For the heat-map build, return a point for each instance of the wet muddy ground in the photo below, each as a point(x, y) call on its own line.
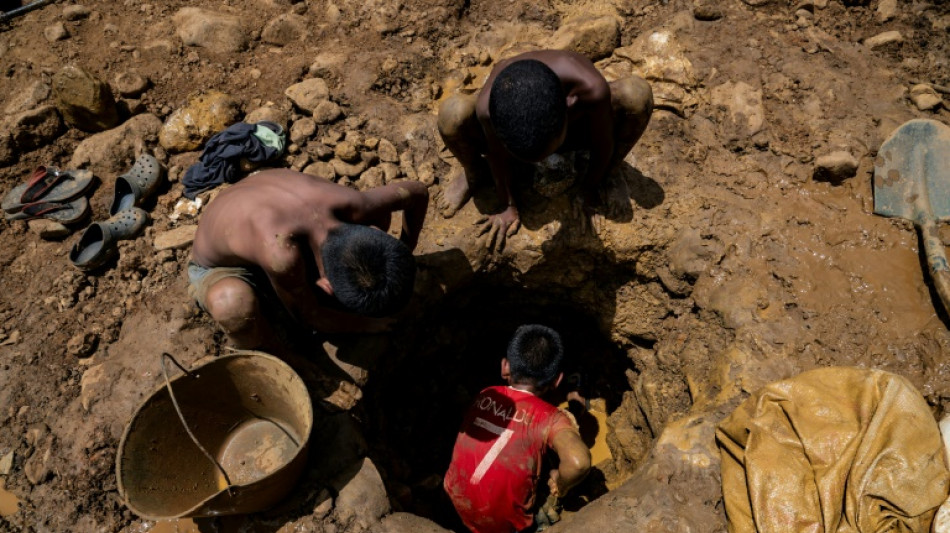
point(731, 255)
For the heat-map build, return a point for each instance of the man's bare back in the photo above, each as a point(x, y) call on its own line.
point(279, 221)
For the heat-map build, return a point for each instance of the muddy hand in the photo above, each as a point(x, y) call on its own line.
point(495, 229)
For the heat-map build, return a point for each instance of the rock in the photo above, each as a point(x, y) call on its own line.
point(48, 230)
point(302, 130)
point(756, 3)
point(215, 31)
point(269, 113)
point(746, 113)
point(308, 93)
point(372, 177)
point(321, 169)
point(37, 466)
point(707, 12)
point(390, 171)
point(343, 168)
point(176, 239)
point(884, 39)
point(84, 100)
point(131, 84)
point(835, 167)
point(326, 112)
point(204, 115)
point(56, 32)
point(89, 385)
point(595, 37)
point(75, 12)
point(658, 56)
point(111, 151)
point(35, 128)
point(886, 10)
point(387, 151)
point(285, 29)
point(925, 97)
point(362, 497)
point(6, 464)
point(82, 344)
point(346, 151)
point(26, 99)
point(326, 64)
point(408, 523)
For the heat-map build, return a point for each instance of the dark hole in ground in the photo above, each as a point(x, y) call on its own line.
point(435, 370)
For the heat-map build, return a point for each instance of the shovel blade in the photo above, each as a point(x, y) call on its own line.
point(912, 172)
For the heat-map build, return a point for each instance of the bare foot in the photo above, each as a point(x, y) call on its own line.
point(455, 193)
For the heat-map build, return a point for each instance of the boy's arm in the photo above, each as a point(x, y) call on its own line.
point(411, 197)
point(574, 457)
point(500, 226)
point(602, 141)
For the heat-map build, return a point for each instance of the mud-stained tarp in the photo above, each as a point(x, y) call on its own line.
point(833, 449)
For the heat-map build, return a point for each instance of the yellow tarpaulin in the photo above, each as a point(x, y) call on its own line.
point(833, 450)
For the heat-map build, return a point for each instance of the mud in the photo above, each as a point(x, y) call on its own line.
point(727, 258)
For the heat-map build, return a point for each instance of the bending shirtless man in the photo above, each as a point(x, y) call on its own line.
point(284, 242)
point(533, 105)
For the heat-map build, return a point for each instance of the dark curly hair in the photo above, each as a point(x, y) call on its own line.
point(534, 355)
point(528, 108)
point(372, 272)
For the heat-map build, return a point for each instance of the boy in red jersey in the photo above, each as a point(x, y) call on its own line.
point(498, 456)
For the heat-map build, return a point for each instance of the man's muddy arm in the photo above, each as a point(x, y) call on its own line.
point(574, 457)
point(411, 197)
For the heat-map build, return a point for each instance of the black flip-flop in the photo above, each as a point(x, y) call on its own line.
point(47, 184)
point(62, 212)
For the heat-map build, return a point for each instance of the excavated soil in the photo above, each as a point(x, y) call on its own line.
point(727, 258)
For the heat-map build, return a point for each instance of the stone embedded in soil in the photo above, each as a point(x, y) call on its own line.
point(302, 130)
point(217, 32)
point(75, 12)
point(347, 151)
point(82, 344)
point(49, 230)
point(746, 112)
point(6, 463)
point(176, 239)
point(592, 36)
point(343, 168)
point(925, 97)
point(56, 32)
point(886, 10)
point(84, 100)
point(270, 113)
point(307, 94)
point(28, 98)
point(835, 167)
point(189, 127)
point(37, 466)
point(131, 84)
point(362, 496)
point(659, 56)
point(110, 152)
point(285, 29)
point(35, 128)
point(387, 151)
point(321, 169)
point(326, 112)
point(884, 39)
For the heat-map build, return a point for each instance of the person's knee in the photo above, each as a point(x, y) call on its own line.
point(454, 112)
point(232, 304)
point(632, 94)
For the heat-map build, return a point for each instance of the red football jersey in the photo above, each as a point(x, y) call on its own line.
point(496, 462)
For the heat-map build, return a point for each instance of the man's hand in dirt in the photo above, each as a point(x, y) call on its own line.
point(585, 209)
point(497, 228)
